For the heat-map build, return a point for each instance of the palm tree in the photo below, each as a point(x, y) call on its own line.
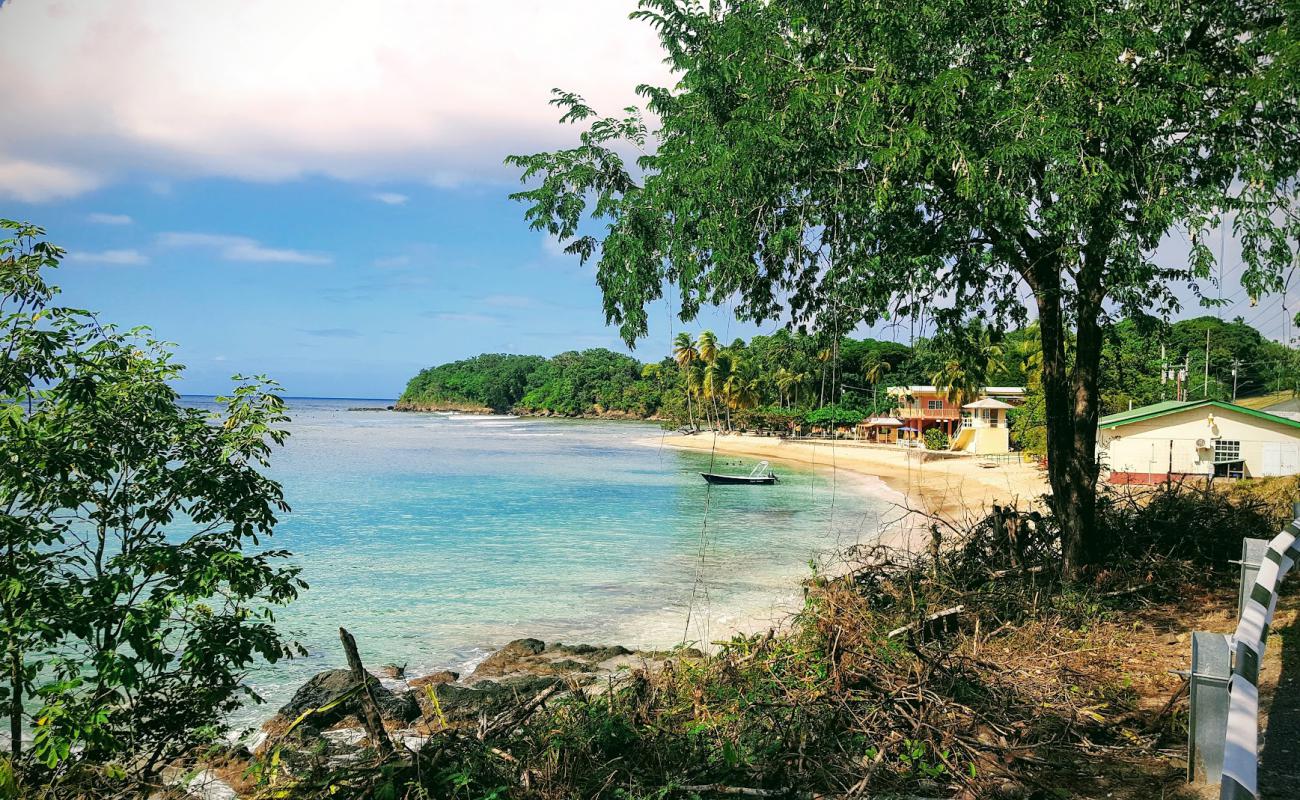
point(707, 346)
point(824, 355)
point(685, 354)
point(716, 375)
point(876, 371)
point(785, 381)
point(959, 384)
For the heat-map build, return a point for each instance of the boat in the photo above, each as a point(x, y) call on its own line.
point(762, 474)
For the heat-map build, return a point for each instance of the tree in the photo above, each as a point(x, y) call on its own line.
point(135, 597)
point(833, 162)
point(685, 354)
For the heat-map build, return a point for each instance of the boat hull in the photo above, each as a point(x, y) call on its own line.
point(738, 480)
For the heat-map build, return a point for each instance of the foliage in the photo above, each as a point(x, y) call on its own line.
point(836, 415)
point(936, 439)
point(837, 163)
point(860, 694)
point(134, 598)
point(493, 381)
point(575, 383)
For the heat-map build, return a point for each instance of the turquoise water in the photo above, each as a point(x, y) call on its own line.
point(437, 538)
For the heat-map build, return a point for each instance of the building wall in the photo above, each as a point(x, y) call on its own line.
point(1152, 449)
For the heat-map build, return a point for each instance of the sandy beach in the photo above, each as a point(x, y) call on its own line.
point(953, 488)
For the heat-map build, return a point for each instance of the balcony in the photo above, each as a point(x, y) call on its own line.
point(928, 413)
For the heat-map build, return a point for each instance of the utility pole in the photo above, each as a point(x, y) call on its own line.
point(1236, 362)
point(1184, 376)
point(1164, 369)
point(1205, 387)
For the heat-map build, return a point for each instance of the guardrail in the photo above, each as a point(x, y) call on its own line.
point(1223, 728)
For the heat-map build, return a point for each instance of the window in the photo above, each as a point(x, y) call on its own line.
point(1226, 451)
point(1227, 459)
point(934, 405)
point(1230, 469)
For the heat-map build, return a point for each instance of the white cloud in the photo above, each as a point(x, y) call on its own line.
point(36, 182)
point(240, 248)
point(433, 92)
point(126, 257)
point(390, 198)
point(100, 218)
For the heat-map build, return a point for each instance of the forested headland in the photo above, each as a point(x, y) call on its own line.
point(793, 377)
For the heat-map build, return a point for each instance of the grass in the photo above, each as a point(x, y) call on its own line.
point(1036, 689)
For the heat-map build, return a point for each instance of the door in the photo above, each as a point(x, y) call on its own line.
point(1281, 458)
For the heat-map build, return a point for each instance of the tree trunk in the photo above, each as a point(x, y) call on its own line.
point(15, 702)
point(1072, 404)
point(370, 717)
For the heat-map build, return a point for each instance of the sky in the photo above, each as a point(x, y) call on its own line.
point(314, 190)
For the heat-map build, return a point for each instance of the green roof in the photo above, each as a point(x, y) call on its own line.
point(1174, 406)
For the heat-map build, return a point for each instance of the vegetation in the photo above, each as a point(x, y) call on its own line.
point(863, 696)
point(133, 596)
point(835, 163)
point(781, 382)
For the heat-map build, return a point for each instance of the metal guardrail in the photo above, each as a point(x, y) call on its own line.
point(1223, 728)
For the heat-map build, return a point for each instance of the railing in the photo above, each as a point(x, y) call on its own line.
point(1223, 728)
point(927, 413)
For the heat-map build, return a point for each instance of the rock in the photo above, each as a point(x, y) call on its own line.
point(392, 671)
point(327, 686)
point(434, 679)
point(465, 703)
point(206, 785)
point(508, 659)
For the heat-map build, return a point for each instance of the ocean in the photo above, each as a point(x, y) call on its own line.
point(437, 538)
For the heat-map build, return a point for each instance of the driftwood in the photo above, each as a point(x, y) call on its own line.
point(938, 615)
point(369, 708)
point(512, 717)
point(741, 791)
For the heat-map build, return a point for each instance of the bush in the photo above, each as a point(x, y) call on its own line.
point(936, 439)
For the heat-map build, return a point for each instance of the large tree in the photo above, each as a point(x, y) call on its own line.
point(836, 162)
point(135, 587)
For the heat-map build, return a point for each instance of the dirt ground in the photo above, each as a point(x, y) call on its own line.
point(1137, 745)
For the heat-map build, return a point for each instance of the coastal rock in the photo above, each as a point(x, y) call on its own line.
point(434, 679)
point(327, 686)
point(510, 658)
point(465, 704)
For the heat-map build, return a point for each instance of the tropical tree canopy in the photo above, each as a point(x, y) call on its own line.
point(832, 163)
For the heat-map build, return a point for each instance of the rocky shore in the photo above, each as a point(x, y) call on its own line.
point(460, 408)
point(322, 725)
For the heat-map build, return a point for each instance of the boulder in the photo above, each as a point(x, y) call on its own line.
point(327, 686)
point(461, 704)
point(508, 659)
point(434, 679)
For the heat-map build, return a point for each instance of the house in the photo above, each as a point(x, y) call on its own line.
point(1200, 438)
point(924, 407)
point(984, 429)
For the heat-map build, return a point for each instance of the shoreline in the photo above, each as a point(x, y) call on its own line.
point(925, 486)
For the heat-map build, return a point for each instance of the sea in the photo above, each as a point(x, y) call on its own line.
point(437, 538)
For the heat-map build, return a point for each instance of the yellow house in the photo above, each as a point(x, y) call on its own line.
point(983, 428)
point(1203, 438)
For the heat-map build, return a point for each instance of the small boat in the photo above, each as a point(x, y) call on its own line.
point(762, 474)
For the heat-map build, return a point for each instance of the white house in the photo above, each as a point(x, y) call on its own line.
point(1177, 439)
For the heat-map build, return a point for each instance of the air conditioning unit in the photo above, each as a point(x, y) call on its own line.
point(1201, 445)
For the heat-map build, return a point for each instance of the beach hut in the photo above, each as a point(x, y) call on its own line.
point(880, 429)
point(983, 428)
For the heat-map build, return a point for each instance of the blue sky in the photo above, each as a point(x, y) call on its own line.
point(326, 287)
point(314, 189)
